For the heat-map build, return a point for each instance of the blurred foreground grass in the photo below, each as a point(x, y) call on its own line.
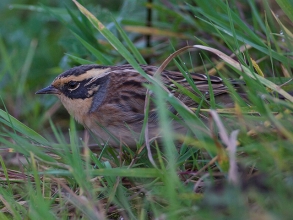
point(47, 176)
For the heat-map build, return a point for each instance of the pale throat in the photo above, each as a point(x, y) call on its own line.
point(78, 108)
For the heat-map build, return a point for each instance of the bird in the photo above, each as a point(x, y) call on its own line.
point(110, 100)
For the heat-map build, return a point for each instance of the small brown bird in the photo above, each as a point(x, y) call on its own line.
point(110, 100)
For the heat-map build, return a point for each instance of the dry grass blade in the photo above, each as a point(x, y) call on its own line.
point(81, 202)
point(231, 143)
point(15, 176)
point(231, 62)
point(245, 70)
point(221, 64)
point(7, 208)
point(155, 32)
point(146, 132)
point(257, 68)
point(233, 171)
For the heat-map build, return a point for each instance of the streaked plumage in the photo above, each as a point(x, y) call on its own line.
point(113, 97)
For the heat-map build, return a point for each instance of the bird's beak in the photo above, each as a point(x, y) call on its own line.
point(48, 90)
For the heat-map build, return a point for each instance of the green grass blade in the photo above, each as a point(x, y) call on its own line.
point(287, 7)
point(79, 60)
point(99, 55)
point(131, 46)
point(22, 128)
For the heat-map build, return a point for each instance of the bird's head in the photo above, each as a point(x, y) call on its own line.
point(81, 89)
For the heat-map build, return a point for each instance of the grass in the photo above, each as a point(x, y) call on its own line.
point(235, 164)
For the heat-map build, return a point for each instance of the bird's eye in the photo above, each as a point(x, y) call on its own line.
point(72, 85)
